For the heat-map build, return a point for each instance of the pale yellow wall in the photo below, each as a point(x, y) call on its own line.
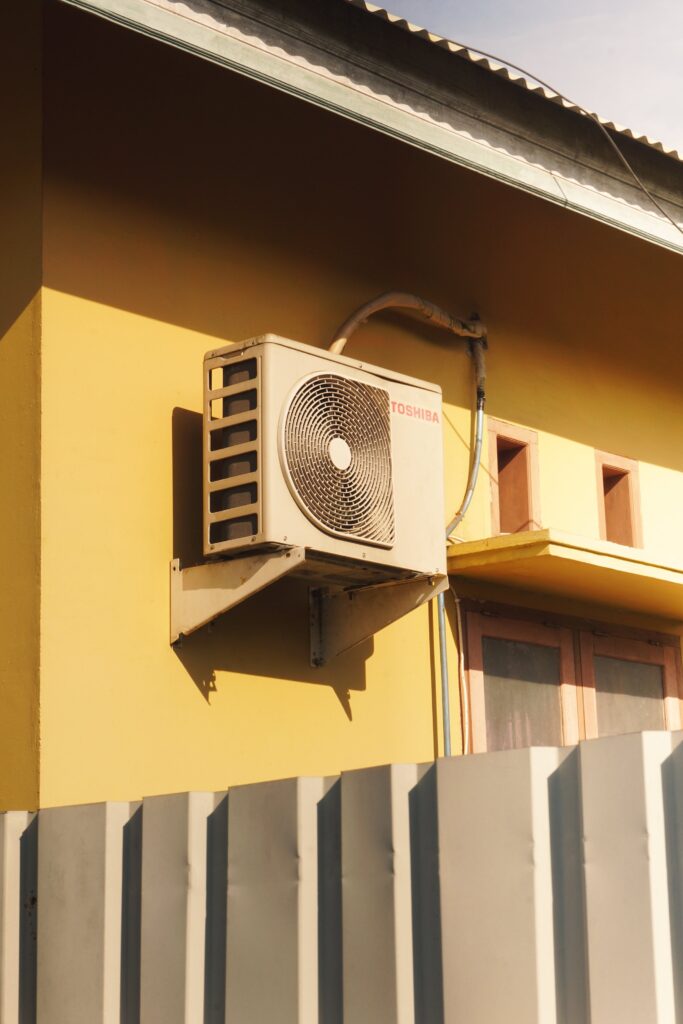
point(185, 207)
point(582, 401)
point(122, 712)
point(20, 275)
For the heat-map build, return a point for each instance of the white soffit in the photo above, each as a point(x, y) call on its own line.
point(261, 43)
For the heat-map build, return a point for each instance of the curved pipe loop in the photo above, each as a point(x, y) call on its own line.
point(404, 300)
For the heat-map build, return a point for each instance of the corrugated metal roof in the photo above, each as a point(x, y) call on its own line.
point(501, 69)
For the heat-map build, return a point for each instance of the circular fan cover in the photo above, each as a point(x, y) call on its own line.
point(336, 447)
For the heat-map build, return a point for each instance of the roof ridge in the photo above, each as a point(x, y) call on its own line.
point(500, 68)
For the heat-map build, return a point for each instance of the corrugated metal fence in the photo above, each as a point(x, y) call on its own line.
point(529, 886)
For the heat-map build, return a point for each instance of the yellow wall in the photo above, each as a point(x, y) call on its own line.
point(185, 207)
point(20, 275)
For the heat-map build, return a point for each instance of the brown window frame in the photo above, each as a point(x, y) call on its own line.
point(603, 461)
point(667, 657)
point(479, 626)
point(578, 640)
point(529, 439)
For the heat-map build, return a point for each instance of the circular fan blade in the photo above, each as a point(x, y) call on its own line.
point(337, 452)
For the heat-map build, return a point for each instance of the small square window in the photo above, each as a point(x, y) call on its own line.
point(618, 499)
point(513, 463)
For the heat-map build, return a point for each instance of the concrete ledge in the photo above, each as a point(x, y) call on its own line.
point(559, 563)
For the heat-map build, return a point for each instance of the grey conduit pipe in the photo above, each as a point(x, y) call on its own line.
point(441, 600)
point(476, 332)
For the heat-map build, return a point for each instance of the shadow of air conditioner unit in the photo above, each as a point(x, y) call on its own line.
point(322, 467)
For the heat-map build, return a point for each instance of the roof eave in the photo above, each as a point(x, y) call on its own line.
point(357, 66)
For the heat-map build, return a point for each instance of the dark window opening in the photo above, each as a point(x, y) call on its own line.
point(616, 489)
point(522, 694)
point(514, 501)
point(629, 695)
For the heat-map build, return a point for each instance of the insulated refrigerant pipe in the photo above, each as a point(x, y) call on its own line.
point(475, 331)
point(406, 301)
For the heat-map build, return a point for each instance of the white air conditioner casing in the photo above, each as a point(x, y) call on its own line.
point(307, 449)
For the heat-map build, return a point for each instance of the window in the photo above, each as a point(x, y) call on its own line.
point(513, 464)
point(522, 684)
point(628, 685)
point(618, 499)
point(540, 684)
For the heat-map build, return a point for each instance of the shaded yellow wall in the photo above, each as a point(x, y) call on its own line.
point(20, 276)
point(185, 207)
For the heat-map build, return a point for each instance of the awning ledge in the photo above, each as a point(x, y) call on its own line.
point(574, 568)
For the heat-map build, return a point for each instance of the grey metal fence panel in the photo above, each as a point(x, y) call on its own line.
point(376, 895)
point(272, 937)
point(173, 907)
point(80, 860)
point(541, 885)
point(630, 967)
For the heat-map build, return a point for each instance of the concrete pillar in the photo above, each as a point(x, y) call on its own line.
point(12, 826)
point(495, 873)
point(630, 970)
point(173, 907)
point(79, 913)
point(376, 895)
point(272, 936)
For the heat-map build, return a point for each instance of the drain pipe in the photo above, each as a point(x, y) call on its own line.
point(476, 331)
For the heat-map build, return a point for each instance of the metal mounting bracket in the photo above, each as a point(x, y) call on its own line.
point(339, 619)
point(201, 593)
point(343, 618)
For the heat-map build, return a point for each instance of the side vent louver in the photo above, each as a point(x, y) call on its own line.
point(232, 439)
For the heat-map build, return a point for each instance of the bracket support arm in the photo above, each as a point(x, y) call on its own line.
point(201, 593)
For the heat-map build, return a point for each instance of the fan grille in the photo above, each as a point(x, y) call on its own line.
point(337, 451)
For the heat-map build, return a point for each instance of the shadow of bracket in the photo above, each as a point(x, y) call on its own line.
point(341, 619)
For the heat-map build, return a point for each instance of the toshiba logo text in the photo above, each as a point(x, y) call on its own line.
point(416, 412)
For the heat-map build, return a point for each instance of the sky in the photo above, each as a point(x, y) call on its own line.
point(622, 59)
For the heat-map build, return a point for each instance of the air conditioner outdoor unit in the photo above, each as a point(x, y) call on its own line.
point(305, 448)
point(320, 466)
